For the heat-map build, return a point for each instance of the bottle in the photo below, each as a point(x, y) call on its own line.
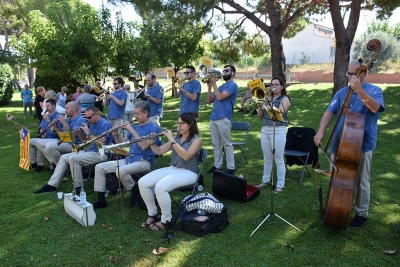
point(83, 196)
point(241, 175)
point(200, 188)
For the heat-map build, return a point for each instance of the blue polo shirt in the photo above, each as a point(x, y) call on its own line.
point(224, 108)
point(193, 87)
point(26, 95)
point(156, 109)
point(135, 150)
point(76, 123)
point(96, 129)
point(44, 124)
point(116, 111)
point(356, 105)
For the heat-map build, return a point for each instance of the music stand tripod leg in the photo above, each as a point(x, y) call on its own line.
point(395, 231)
point(272, 188)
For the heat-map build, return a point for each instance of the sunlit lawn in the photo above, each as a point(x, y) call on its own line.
point(29, 240)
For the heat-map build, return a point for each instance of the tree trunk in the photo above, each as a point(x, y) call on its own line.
point(31, 78)
point(277, 56)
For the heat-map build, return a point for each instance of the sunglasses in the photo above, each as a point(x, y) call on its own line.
point(226, 70)
point(90, 117)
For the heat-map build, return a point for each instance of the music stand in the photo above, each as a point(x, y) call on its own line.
point(275, 115)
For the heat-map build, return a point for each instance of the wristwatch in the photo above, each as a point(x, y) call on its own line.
point(173, 143)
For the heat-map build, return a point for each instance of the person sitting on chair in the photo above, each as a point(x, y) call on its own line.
point(140, 160)
point(97, 126)
point(279, 99)
point(185, 146)
point(246, 99)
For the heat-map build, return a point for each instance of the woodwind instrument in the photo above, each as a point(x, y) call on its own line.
point(49, 125)
point(87, 142)
point(104, 149)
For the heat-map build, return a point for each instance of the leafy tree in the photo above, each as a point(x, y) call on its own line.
point(390, 47)
point(383, 26)
point(6, 84)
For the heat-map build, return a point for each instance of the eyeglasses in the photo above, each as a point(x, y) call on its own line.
point(275, 84)
point(180, 123)
point(115, 83)
point(349, 74)
point(187, 72)
point(226, 70)
point(90, 117)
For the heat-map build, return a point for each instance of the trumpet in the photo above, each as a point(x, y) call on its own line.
point(205, 74)
point(105, 149)
point(103, 95)
point(77, 147)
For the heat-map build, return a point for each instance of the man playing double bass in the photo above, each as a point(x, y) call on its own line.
point(366, 99)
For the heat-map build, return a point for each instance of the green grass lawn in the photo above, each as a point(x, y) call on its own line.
point(29, 240)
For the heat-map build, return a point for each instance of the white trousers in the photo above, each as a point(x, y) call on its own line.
point(163, 181)
point(52, 151)
point(36, 155)
point(220, 131)
point(267, 145)
point(124, 173)
point(75, 161)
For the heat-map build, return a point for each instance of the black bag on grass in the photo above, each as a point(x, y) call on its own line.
point(200, 225)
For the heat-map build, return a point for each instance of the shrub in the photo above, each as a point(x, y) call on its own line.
point(6, 84)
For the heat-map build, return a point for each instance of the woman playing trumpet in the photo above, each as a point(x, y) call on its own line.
point(185, 148)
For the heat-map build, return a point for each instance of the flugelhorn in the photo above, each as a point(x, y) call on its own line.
point(77, 147)
point(104, 149)
point(205, 74)
point(103, 95)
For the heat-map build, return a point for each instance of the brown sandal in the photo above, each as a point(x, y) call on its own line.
point(154, 219)
point(156, 227)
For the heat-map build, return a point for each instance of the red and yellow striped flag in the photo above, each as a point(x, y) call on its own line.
point(24, 161)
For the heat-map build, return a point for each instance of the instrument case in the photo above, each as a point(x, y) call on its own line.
point(233, 187)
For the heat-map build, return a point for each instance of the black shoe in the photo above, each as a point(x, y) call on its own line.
point(358, 221)
point(34, 165)
point(230, 171)
point(254, 112)
point(100, 205)
point(214, 169)
point(247, 111)
point(75, 191)
point(39, 169)
point(46, 189)
point(241, 110)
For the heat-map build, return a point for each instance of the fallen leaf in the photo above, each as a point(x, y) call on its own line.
point(46, 218)
point(390, 251)
point(377, 203)
point(55, 255)
point(15, 253)
point(110, 228)
point(104, 225)
point(280, 206)
point(145, 240)
point(120, 246)
point(111, 258)
point(160, 251)
point(43, 238)
point(289, 246)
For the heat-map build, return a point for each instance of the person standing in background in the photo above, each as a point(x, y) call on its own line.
point(39, 99)
point(116, 102)
point(62, 97)
point(155, 98)
point(26, 96)
point(189, 93)
point(129, 107)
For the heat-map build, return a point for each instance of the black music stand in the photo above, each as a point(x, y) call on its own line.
point(275, 116)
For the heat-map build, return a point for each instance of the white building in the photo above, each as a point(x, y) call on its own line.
point(315, 42)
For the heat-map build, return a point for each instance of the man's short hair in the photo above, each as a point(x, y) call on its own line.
point(143, 106)
point(92, 108)
point(119, 80)
point(232, 68)
point(87, 88)
point(51, 101)
point(127, 87)
point(191, 68)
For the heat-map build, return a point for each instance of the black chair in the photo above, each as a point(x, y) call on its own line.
point(243, 127)
point(300, 148)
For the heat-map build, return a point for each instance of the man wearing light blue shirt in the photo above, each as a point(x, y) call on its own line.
point(116, 102)
point(189, 93)
point(155, 98)
point(366, 99)
point(224, 99)
point(26, 96)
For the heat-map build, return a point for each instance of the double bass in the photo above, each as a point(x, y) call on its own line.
point(343, 181)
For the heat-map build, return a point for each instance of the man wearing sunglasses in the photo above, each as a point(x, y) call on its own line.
point(87, 157)
point(189, 93)
point(116, 102)
point(224, 99)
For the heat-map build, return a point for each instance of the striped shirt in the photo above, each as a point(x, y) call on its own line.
point(178, 162)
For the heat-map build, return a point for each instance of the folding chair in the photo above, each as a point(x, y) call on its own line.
point(84, 106)
point(243, 127)
point(300, 149)
point(194, 186)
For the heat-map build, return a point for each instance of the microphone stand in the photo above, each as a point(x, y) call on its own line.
point(275, 117)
